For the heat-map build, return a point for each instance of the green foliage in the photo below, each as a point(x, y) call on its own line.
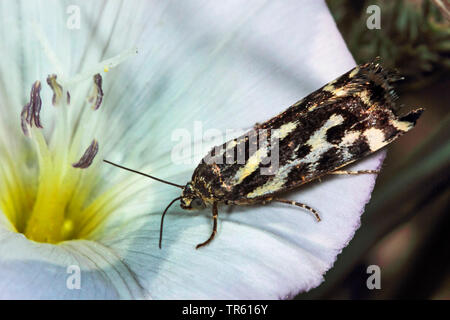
point(414, 37)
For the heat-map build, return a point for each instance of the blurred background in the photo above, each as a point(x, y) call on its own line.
point(405, 229)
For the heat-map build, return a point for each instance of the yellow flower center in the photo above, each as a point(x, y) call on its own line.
point(49, 189)
point(61, 194)
point(44, 202)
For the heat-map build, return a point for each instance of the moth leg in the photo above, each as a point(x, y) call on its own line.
point(355, 172)
point(215, 215)
point(301, 205)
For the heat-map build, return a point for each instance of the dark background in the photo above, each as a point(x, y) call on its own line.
point(405, 229)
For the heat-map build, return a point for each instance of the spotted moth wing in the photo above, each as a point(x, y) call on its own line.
point(345, 120)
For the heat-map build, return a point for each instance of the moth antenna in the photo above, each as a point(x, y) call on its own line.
point(162, 220)
point(144, 174)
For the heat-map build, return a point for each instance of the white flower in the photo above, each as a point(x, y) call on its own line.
point(229, 65)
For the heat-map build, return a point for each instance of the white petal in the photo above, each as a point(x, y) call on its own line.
point(217, 64)
point(31, 270)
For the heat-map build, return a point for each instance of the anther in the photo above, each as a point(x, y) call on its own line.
point(30, 112)
point(97, 94)
point(57, 90)
point(88, 156)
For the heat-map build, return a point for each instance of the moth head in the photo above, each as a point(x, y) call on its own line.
point(190, 199)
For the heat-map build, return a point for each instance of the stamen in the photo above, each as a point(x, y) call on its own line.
point(57, 90)
point(36, 103)
point(97, 94)
point(88, 156)
point(30, 112)
point(59, 203)
point(23, 119)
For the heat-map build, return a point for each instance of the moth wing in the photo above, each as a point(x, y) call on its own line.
point(346, 120)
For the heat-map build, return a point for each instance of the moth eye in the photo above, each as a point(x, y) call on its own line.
point(197, 203)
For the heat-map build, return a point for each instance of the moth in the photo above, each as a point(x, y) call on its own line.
point(344, 121)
